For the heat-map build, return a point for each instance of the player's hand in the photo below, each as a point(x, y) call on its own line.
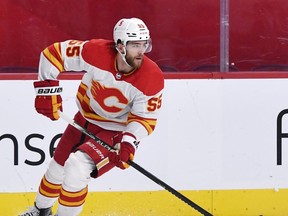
point(48, 99)
point(124, 151)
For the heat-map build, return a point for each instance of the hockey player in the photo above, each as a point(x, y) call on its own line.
point(119, 99)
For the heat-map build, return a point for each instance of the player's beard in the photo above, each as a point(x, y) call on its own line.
point(135, 62)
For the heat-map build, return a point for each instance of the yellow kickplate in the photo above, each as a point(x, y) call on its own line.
point(162, 203)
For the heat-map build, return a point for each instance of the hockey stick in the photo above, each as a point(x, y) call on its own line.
point(136, 166)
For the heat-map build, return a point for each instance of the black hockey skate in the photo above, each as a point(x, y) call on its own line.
point(34, 211)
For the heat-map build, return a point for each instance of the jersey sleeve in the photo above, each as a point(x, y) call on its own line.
point(59, 57)
point(144, 113)
point(143, 117)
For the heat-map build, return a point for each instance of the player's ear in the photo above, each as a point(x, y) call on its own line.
point(120, 47)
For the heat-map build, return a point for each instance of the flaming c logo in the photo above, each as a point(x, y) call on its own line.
point(110, 99)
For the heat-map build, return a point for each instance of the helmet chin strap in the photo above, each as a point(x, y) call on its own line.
point(123, 56)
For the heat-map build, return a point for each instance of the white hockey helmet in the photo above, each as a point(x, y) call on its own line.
point(132, 29)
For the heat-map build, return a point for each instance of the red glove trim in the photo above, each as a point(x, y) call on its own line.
point(48, 99)
point(131, 139)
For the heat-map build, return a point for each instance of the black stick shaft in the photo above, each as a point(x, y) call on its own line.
point(137, 167)
point(169, 188)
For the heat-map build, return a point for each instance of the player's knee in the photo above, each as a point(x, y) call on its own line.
point(77, 171)
point(55, 172)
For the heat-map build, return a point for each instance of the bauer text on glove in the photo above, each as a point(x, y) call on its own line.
point(48, 99)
